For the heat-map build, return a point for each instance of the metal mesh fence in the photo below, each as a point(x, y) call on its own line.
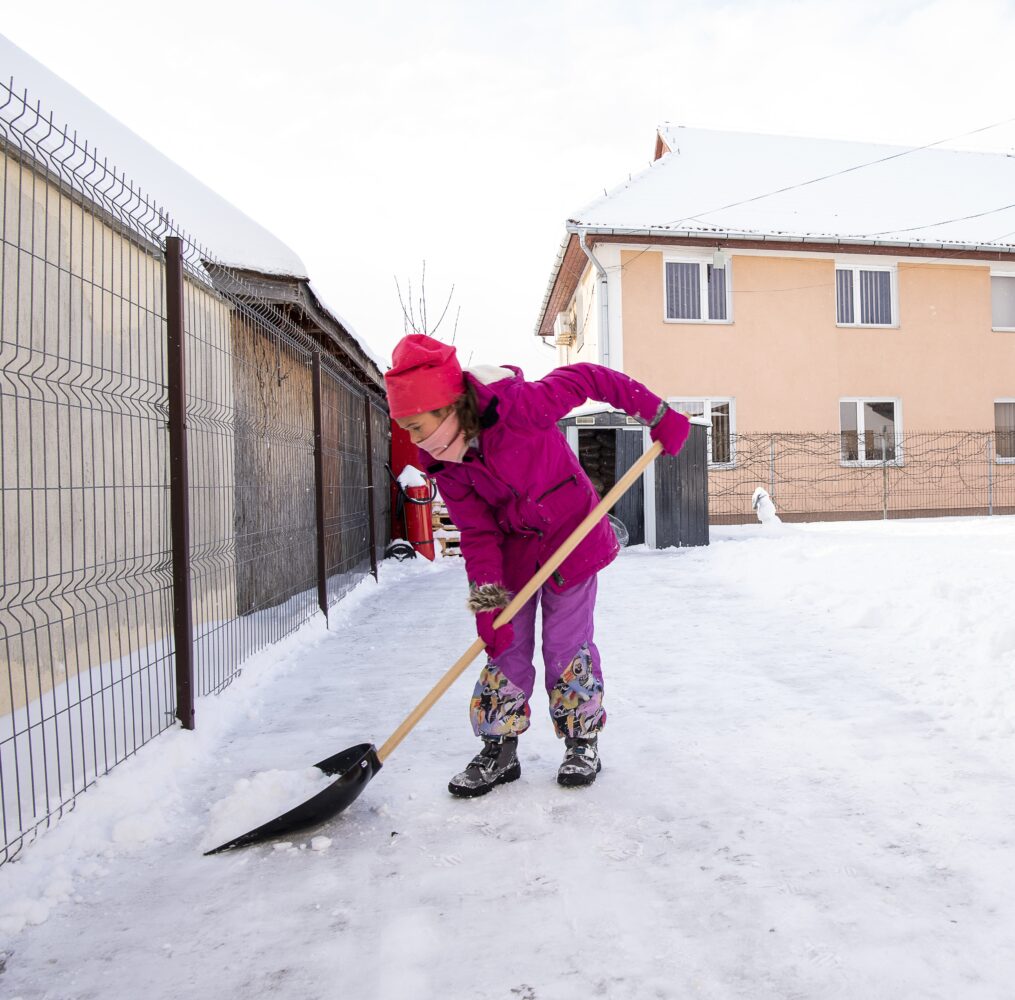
point(346, 520)
point(250, 450)
point(90, 665)
point(815, 477)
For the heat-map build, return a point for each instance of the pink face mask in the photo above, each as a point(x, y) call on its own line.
point(447, 443)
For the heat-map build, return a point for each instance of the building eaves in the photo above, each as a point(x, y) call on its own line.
point(567, 271)
point(298, 293)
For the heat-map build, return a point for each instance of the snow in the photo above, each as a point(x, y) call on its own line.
point(410, 476)
point(909, 199)
point(261, 798)
point(230, 236)
point(807, 792)
point(233, 237)
point(763, 506)
point(382, 363)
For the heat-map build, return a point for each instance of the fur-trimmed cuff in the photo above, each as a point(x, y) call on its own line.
point(488, 597)
point(660, 413)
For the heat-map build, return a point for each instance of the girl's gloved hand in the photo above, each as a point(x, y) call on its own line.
point(486, 601)
point(671, 430)
point(497, 640)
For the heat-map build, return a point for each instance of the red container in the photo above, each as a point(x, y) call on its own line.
point(419, 518)
point(403, 453)
point(416, 508)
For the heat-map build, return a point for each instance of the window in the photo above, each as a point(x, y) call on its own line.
point(1002, 301)
point(696, 291)
point(721, 431)
point(870, 430)
point(1004, 430)
point(864, 296)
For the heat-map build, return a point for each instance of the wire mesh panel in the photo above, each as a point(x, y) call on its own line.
point(380, 438)
point(346, 499)
point(822, 477)
point(250, 438)
point(1002, 485)
point(89, 495)
point(85, 608)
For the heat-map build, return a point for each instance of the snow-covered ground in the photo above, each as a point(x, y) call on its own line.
point(808, 792)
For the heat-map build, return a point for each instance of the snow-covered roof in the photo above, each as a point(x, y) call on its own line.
point(232, 237)
point(766, 186)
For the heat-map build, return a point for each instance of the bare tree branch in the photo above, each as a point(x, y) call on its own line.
point(405, 314)
point(446, 304)
point(422, 299)
point(420, 324)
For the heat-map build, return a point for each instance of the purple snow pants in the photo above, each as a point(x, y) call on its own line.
point(574, 681)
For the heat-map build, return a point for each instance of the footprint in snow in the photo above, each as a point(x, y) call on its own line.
point(730, 879)
point(624, 851)
point(447, 861)
point(543, 883)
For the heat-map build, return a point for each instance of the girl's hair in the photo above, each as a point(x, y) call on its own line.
point(468, 412)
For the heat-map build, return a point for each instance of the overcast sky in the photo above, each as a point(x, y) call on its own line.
point(373, 136)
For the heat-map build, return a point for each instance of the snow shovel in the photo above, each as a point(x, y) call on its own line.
point(354, 768)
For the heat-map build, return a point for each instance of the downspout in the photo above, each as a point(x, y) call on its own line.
point(604, 315)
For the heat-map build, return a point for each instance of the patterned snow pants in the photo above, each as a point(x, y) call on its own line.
point(574, 681)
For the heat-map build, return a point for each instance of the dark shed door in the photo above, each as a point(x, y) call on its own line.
point(631, 506)
point(682, 493)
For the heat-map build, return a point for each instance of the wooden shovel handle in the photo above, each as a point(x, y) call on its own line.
point(570, 543)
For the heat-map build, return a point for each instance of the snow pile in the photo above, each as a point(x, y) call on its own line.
point(763, 506)
point(257, 800)
point(411, 476)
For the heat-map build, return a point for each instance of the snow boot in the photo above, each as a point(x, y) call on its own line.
point(496, 764)
point(581, 761)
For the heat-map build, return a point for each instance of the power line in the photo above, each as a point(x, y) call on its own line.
point(846, 170)
point(859, 166)
point(943, 222)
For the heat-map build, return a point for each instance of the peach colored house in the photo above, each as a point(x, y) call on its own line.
point(859, 294)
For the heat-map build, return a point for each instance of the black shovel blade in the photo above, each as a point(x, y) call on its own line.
point(354, 769)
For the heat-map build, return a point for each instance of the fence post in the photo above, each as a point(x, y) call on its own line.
point(771, 466)
point(884, 475)
point(322, 565)
point(370, 487)
point(179, 482)
point(990, 476)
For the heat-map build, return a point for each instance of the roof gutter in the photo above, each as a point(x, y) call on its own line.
point(604, 313)
point(730, 234)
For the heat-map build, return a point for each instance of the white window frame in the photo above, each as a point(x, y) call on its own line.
point(998, 459)
point(861, 431)
point(703, 263)
point(707, 401)
point(996, 273)
point(893, 284)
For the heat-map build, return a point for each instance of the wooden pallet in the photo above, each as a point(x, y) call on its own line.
point(445, 532)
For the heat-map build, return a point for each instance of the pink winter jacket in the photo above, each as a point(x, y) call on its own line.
point(521, 491)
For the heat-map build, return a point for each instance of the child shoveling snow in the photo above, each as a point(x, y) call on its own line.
point(515, 490)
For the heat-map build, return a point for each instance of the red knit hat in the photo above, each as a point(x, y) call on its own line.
point(424, 375)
